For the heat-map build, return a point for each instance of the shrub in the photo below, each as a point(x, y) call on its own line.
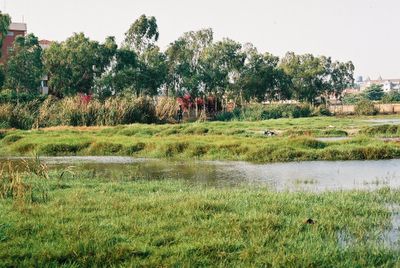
point(322, 111)
point(350, 99)
point(105, 148)
point(392, 96)
point(12, 138)
point(365, 107)
point(388, 130)
point(256, 112)
point(135, 148)
point(62, 148)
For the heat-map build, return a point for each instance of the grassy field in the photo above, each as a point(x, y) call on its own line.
point(77, 220)
point(295, 140)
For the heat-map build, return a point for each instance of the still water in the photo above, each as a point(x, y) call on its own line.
point(294, 176)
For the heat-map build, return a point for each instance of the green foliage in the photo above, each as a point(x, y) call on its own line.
point(142, 34)
point(350, 99)
point(382, 130)
point(391, 97)
point(295, 140)
point(24, 69)
point(12, 97)
point(5, 21)
point(373, 93)
point(73, 64)
point(313, 76)
point(257, 112)
point(365, 107)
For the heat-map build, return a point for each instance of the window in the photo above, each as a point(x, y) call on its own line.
point(10, 34)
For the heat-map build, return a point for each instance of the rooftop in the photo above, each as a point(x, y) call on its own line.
point(17, 26)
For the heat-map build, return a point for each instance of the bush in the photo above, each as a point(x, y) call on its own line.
point(11, 96)
point(392, 96)
point(387, 130)
point(256, 112)
point(351, 99)
point(365, 107)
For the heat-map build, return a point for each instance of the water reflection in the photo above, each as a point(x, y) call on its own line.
point(295, 176)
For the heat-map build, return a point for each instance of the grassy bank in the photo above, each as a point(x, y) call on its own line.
point(78, 220)
point(295, 140)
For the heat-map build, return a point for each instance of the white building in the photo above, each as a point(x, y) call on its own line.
point(387, 84)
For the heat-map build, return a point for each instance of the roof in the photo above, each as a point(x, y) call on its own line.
point(16, 26)
point(45, 42)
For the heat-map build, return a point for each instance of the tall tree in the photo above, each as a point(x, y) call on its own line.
point(5, 21)
point(152, 71)
point(183, 58)
point(313, 77)
point(219, 64)
point(24, 69)
point(142, 34)
point(258, 79)
point(73, 64)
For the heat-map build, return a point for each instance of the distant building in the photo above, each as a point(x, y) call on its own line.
point(44, 87)
point(15, 29)
point(387, 84)
point(45, 43)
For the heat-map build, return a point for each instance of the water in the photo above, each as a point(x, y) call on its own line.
point(332, 139)
point(383, 121)
point(295, 176)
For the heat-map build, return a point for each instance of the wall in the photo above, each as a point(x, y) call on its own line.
point(391, 108)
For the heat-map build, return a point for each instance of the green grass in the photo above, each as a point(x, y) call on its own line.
point(295, 140)
point(91, 221)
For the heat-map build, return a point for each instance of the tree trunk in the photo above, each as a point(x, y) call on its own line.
point(197, 108)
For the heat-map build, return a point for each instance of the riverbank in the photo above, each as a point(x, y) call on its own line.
point(81, 219)
point(291, 140)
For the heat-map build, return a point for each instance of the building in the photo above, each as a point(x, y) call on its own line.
point(387, 84)
point(15, 29)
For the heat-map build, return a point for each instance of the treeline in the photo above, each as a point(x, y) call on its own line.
point(195, 65)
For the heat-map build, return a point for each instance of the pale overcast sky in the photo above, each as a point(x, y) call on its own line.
point(364, 31)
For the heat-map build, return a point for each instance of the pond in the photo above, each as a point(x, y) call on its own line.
point(384, 121)
point(293, 176)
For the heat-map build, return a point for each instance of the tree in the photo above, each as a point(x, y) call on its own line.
point(218, 68)
point(374, 93)
point(392, 96)
point(5, 21)
point(152, 71)
point(183, 58)
point(142, 34)
point(121, 76)
point(24, 69)
point(72, 65)
point(313, 77)
point(259, 77)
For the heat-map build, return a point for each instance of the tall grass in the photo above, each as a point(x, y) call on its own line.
point(77, 111)
point(93, 221)
point(24, 182)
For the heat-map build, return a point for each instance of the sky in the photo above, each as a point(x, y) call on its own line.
point(363, 31)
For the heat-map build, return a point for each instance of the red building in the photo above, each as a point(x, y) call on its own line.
point(15, 30)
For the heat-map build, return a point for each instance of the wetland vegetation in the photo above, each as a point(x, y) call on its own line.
point(294, 140)
point(76, 219)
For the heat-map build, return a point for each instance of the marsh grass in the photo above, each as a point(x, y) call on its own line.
point(91, 220)
point(24, 182)
point(296, 140)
